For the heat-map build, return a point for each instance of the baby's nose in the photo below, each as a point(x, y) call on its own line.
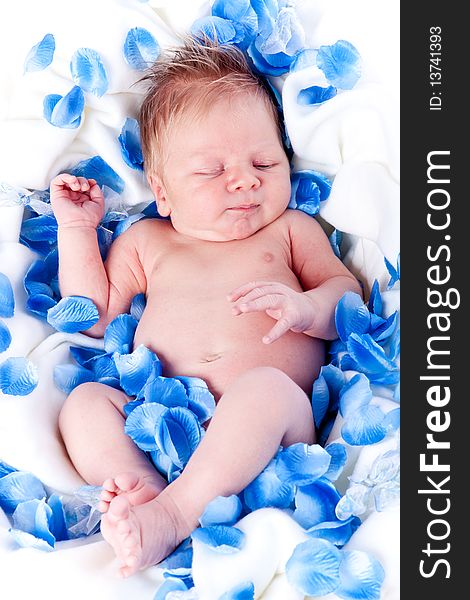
point(242, 180)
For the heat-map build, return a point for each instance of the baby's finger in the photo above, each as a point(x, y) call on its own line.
point(258, 292)
point(266, 302)
point(246, 288)
point(282, 326)
point(84, 185)
point(61, 180)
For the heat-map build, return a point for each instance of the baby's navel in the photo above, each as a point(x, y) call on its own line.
point(268, 257)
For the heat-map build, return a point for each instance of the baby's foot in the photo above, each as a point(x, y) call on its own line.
point(142, 535)
point(138, 489)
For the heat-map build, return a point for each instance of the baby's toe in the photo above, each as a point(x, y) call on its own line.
point(127, 481)
point(109, 485)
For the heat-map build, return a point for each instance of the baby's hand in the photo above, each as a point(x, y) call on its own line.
point(294, 311)
point(76, 201)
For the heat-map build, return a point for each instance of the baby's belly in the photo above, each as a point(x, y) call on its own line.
point(217, 346)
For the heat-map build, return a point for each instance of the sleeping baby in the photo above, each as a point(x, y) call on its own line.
point(240, 292)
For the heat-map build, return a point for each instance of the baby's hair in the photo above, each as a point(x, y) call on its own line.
point(192, 76)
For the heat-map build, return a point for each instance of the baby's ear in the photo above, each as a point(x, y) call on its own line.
point(159, 191)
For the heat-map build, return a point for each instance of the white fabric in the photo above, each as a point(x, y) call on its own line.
point(352, 138)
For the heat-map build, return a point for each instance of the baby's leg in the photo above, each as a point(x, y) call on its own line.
point(92, 426)
point(261, 410)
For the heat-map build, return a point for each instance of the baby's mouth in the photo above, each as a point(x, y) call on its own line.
point(244, 207)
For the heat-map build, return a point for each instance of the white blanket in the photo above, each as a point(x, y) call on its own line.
point(352, 138)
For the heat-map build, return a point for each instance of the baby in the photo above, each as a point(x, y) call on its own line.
point(240, 292)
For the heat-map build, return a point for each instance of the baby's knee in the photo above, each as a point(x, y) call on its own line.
point(82, 402)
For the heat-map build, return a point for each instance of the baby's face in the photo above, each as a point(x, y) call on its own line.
point(226, 175)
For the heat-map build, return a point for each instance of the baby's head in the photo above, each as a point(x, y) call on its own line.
point(212, 143)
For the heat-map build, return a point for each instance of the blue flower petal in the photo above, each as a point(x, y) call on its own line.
point(141, 49)
point(301, 464)
point(267, 490)
point(339, 457)
point(41, 228)
point(131, 150)
point(137, 306)
point(394, 272)
point(165, 390)
point(119, 334)
point(216, 28)
point(124, 225)
point(82, 355)
point(223, 510)
point(179, 562)
point(336, 239)
point(340, 63)
point(313, 568)
point(7, 298)
point(41, 54)
point(242, 591)
point(354, 395)
point(337, 532)
point(5, 469)
point(134, 369)
point(315, 503)
point(18, 376)
point(308, 189)
point(33, 516)
point(392, 420)
point(361, 576)
point(325, 392)
point(98, 169)
point(385, 329)
point(17, 487)
point(282, 61)
point(169, 585)
point(102, 366)
point(27, 540)
point(315, 94)
point(72, 314)
point(57, 520)
point(364, 426)
point(375, 299)
point(5, 337)
point(178, 435)
point(39, 304)
point(222, 539)
point(371, 359)
point(68, 377)
point(141, 425)
point(88, 71)
point(64, 111)
point(200, 400)
point(351, 316)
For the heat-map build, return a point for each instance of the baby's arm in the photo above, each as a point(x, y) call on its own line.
point(78, 207)
point(322, 275)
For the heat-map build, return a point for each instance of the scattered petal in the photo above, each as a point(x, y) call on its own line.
point(217, 28)
point(83, 355)
point(178, 434)
point(339, 457)
point(301, 464)
point(351, 316)
point(34, 516)
point(64, 111)
point(340, 63)
point(18, 376)
point(68, 377)
point(137, 306)
point(223, 539)
point(315, 503)
point(169, 585)
point(27, 540)
point(354, 395)
point(141, 425)
point(141, 49)
point(134, 369)
point(97, 168)
point(361, 576)
point(41, 54)
point(223, 510)
point(267, 490)
point(364, 426)
point(337, 532)
point(7, 298)
point(119, 334)
point(242, 591)
point(73, 314)
point(131, 150)
point(316, 95)
point(40, 304)
point(5, 337)
point(88, 71)
point(200, 400)
point(17, 487)
point(165, 390)
point(313, 568)
point(308, 189)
